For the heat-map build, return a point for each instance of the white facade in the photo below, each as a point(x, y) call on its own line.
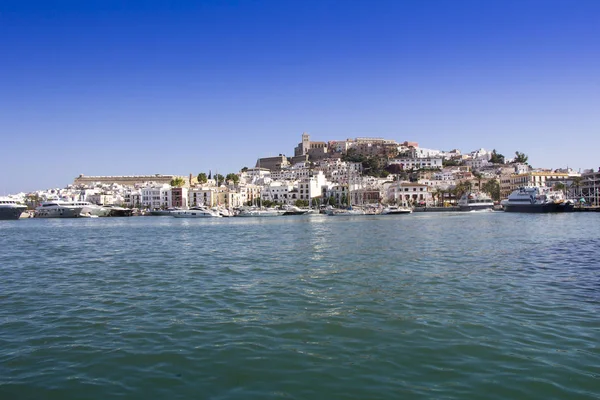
point(417, 163)
point(156, 196)
point(409, 194)
point(280, 192)
point(310, 187)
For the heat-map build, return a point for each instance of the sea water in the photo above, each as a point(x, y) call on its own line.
point(445, 305)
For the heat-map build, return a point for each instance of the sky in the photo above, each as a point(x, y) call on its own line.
point(178, 87)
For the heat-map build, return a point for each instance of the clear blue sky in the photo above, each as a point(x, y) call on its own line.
point(117, 87)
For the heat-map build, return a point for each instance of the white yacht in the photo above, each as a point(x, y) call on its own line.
point(90, 210)
point(196, 212)
point(536, 200)
point(395, 210)
point(58, 209)
point(475, 201)
point(10, 209)
point(346, 211)
point(164, 213)
point(259, 212)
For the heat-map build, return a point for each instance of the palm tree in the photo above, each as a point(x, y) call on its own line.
point(462, 188)
point(560, 186)
point(576, 184)
point(437, 192)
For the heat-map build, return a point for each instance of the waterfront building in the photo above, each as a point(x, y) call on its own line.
point(156, 196)
point(310, 187)
point(280, 192)
point(409, 194)
point(179, 197)
point(538, 178)
point(590, 186)
point(205, 195)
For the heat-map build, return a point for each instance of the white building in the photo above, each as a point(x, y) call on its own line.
point(409, 194)
point(310, 187)
point(417, 163)
point(156, 196)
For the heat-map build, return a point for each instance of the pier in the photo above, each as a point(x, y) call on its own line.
point(587, 209)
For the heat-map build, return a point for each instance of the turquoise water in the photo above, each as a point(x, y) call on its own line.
point(452, 306)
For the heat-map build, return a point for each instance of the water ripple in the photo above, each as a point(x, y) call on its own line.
point(429, 306)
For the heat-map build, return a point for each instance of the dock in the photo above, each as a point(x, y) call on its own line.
point(436, 209)
point(587, 209)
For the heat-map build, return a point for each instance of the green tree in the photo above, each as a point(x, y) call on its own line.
point(235, 178)
point(244, 169)
point(353, 156)
point(520, 158)
point(492, 187)
point(450, 163)
point(219, 178)
point(560, 186)
point(202, 177)
point(496, 158)
point(301, 203)
point(462, 188)
point(331, 201)
point(316, 202)
point(575, 187)
point(177, 182)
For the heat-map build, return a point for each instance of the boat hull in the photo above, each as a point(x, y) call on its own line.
point(476, 207)
point(397, 212)
point(260, 214)
point(195, 214)
point(538, 208)
point(11, 213)
point(63, 212)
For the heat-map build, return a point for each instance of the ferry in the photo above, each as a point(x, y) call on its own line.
point(475, 201)
point(536, 200)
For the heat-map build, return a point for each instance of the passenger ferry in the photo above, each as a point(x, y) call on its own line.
point(475, 201)
point(536, 200)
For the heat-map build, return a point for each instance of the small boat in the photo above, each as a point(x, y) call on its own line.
point(395, 210)
point(259, 212)
point(196, 212)
point(346, 211)
point(293, 210)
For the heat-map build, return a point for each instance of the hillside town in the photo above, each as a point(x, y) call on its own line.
point(360, 171)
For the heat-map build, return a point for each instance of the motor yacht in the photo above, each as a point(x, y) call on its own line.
point(10, 209)
point(196, 212)
point(395, 210)
point(58, 209)
point(259, 212)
